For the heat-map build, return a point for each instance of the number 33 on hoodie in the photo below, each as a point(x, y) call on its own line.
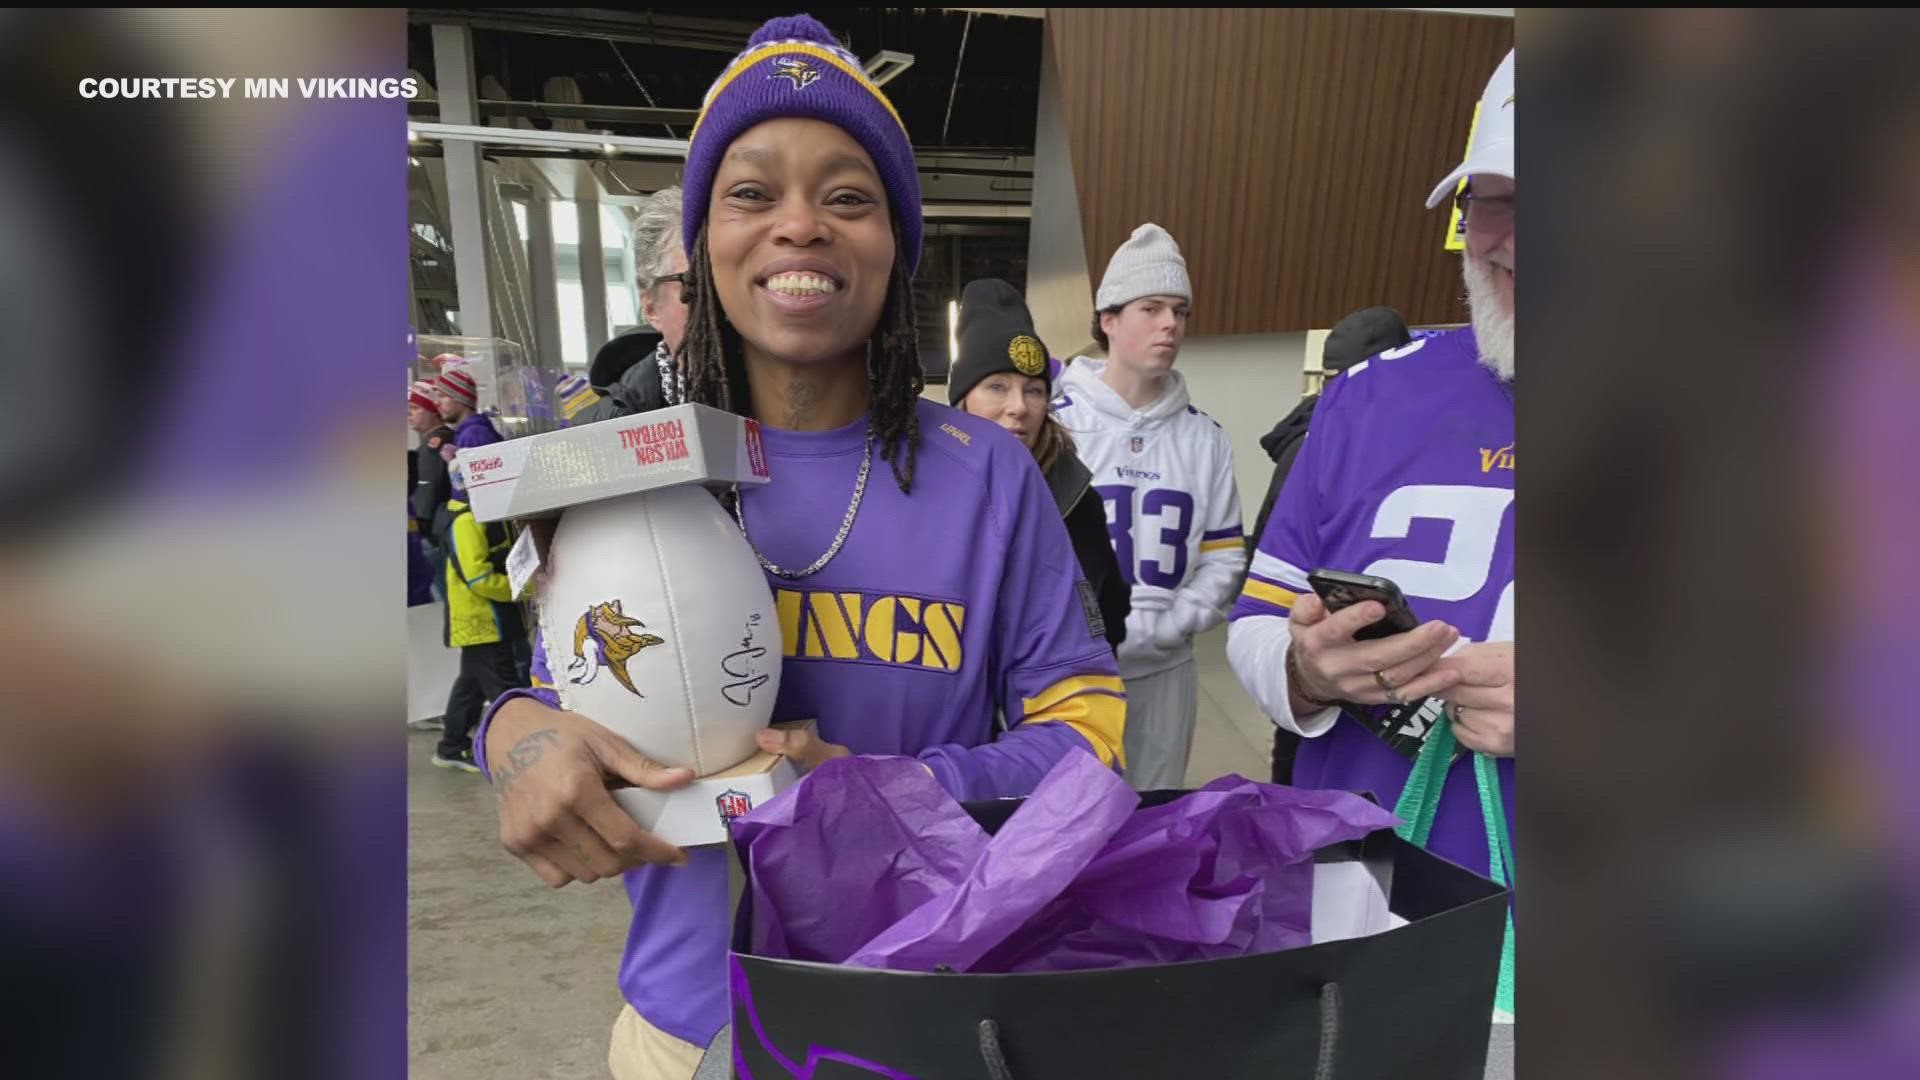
point(1173, 510)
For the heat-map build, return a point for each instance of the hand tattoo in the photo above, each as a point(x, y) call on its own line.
point(524, 755)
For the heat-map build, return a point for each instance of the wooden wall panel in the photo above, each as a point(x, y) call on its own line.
point(1288, 151)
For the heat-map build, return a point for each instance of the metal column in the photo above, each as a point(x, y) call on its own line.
point(543, 279)
point(453, 65)
point(593, 273)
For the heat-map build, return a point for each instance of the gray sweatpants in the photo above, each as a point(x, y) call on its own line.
point(1161, 711)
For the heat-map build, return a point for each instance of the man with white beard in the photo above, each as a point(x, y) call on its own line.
point(1407, 473)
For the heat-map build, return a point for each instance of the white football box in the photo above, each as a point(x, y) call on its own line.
point(702, 812)
point(540, 475)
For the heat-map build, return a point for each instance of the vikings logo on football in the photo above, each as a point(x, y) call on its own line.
point(605, 637)
point(795, 70)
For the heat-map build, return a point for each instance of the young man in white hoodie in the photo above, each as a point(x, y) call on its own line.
point(1165, 472)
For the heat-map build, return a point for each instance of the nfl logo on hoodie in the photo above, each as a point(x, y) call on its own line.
point(1137, 443)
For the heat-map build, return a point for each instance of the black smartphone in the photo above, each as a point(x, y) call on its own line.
point(1343, 590)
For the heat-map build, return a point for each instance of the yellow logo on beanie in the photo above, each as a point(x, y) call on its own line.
point(797, 70)
point(1028, 356)
point(792, 49)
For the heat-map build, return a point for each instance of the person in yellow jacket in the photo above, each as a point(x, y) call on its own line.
point(483, 622)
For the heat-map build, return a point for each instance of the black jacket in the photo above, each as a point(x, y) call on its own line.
point(637, 390)
point(1282, 445)
point(431, 487)
point(1086, 517)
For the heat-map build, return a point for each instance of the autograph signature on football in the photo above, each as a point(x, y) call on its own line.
point(742, 666)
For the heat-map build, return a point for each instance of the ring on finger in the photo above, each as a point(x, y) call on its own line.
point(1386, 686)
point(1454, 711)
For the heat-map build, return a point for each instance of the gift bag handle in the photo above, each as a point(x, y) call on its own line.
point(1420, 803)
point(991, 1053)
point(996, 1058)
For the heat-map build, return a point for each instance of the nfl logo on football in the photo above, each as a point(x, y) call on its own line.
point(733, 804)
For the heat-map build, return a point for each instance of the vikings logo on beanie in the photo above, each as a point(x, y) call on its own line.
point(794, 67)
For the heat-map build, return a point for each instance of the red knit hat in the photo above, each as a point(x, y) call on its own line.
point(421, 394)
point(458, 385)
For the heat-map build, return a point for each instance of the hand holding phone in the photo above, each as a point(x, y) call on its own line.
point(1340, 591)
point(1346, 650)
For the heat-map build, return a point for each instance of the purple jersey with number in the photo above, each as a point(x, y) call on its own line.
point(1407, 474)
point(942, 606)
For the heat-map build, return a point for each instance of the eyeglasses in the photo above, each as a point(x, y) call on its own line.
point(685, 278)
point(1485, 211)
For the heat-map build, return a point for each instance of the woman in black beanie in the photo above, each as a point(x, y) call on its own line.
point(1002, 374)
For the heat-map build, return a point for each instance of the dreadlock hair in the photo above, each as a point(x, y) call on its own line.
point(716, 362)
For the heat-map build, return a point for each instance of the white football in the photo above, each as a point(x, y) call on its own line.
point(659, 624)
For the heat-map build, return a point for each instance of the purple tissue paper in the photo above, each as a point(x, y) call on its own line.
point(868, 862)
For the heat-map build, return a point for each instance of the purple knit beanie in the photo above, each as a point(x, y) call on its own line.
point(794, 67)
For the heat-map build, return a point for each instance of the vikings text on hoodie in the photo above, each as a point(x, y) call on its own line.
point(1166, 475)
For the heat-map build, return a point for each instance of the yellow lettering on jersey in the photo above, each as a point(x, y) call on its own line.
point(1496, 459)
point(880, 629)
point(906, 644)
point(904, 631)
point(944, 623)
point(887, 642)
point(836, 626)
point(787, 603)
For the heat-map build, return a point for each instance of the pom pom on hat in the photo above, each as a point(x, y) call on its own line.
point(793, 28)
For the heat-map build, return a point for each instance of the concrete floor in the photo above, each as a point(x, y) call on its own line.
point(511, 980)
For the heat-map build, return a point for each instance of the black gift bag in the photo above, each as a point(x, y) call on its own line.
point(1372, 999)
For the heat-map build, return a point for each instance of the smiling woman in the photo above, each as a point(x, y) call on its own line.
point(910, 614)
point(803, 294)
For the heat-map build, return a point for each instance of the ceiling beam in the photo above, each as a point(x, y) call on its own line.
point(554, 110)
point(526, 138)
point(510, 142)
point(1012, 12)
point(675, 31)
point(1492, 13)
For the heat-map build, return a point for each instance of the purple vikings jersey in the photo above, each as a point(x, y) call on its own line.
point(942, 606)
point(1406, 473)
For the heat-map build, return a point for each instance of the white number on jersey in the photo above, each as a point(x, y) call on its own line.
point(1474, 514)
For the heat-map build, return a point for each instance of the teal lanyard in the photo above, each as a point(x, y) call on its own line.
point(1420, 803)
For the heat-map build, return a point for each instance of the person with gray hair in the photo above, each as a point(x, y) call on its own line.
point(660, 266)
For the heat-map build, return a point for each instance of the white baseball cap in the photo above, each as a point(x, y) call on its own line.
point(1491, 153)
